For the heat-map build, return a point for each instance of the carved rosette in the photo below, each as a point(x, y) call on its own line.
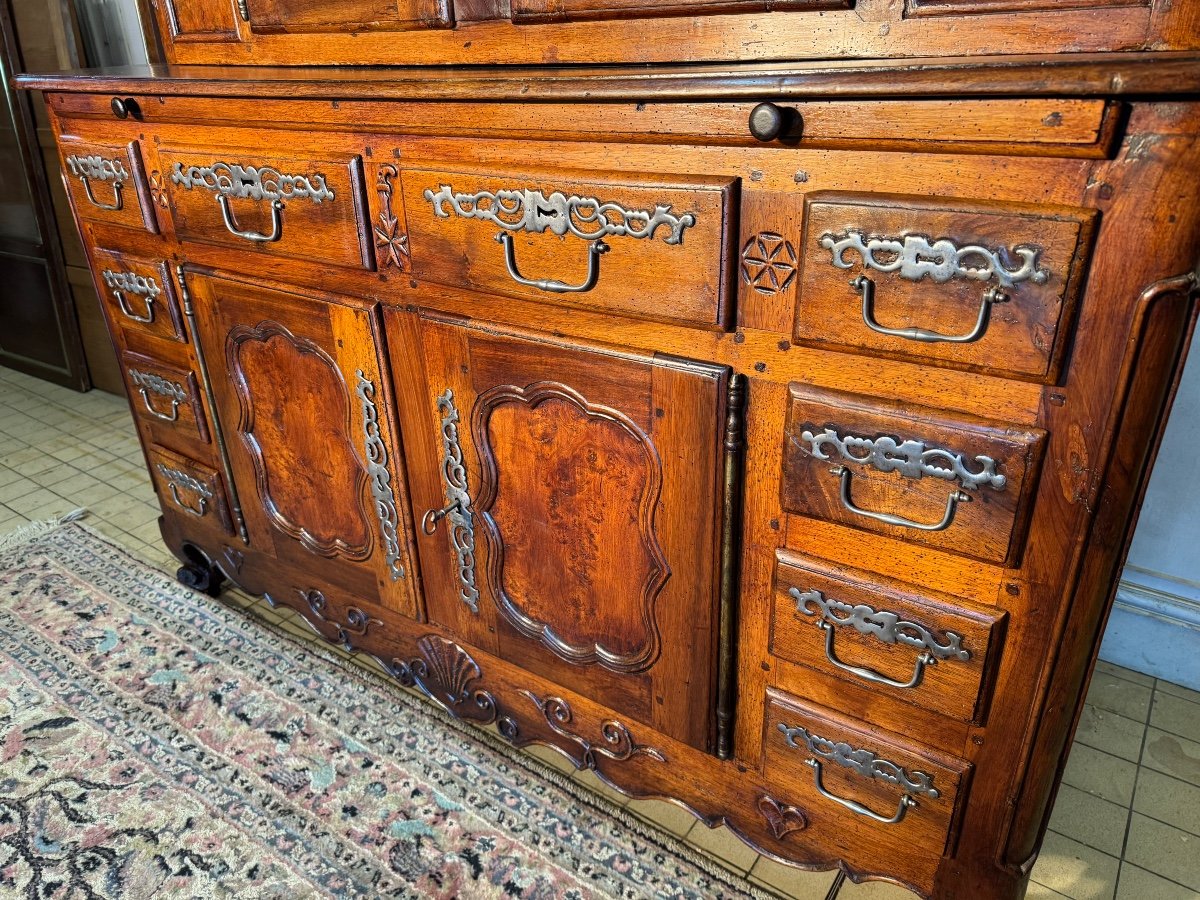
point(768, 263)
point(391, 240)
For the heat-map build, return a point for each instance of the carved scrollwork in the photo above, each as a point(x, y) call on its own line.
point(915, 257)
point(164, 387)
point(617, 740)
point(357, 623)
point(236, 182)
point(391, 241)
point(886, 626)
point(98, 168)
point(380, 477)
point(910, 458)
point(864, 762)
point(446, 673)
point(132, 283)
point(534, 212)
point(768, 263)
point(782, 818)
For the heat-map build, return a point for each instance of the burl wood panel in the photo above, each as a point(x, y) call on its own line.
point(888, 630)
point(957, 484)
point(985, 286)
point(612, 459)
point(668, 238)
point(299, 389)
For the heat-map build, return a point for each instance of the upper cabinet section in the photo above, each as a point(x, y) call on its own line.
point(535, 32)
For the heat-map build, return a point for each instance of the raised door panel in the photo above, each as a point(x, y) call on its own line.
point(305, 414)
point(200, 20)
point(573, 513)
point(347, 15)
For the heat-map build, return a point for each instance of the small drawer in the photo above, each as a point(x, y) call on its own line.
point(852, 782)
point(302, 206)
point(190, 488)
point(931, 650)
point(139, 294)
point(961, 483)
point(967, 284)
point(637, 245)
point(107, 183)
point(165, 395)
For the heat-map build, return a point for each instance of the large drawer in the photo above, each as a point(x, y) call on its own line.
point(858, 785)
point(957, 483)
point(927, 649)
point(301, 205)
point(139, 294)
point(962, 283)
point(648, 246)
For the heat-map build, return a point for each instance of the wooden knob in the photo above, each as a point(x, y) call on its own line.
point(768, 121)
point(124, 107)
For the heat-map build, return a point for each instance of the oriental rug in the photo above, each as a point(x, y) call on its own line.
point(154, 743)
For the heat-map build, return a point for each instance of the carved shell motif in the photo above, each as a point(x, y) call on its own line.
point(448, 667)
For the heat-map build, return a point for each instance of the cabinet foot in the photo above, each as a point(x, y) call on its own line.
point(199, 574)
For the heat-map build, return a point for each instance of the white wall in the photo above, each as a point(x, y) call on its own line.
point(1155, 625)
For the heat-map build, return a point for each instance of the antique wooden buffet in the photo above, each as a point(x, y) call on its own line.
point(759, 419)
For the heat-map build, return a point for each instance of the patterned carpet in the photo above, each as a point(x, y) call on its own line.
point(155, 744)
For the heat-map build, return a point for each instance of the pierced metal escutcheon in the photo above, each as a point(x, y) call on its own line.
point(595, 249)
point(952, 502)
point(458, 506)
point(906, 801)
point(232, 226)
point(867, 287)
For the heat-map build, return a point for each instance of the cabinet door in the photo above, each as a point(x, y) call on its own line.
point(307, 425)
point(572, 518)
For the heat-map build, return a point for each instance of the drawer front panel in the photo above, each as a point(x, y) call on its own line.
point(166, 396)
point(296, 206)
point(568, 10)
point(107, 183)
point(290, 16)
point(186, 487)
point(649, 246)
point(958, 283)
point(958, 484)
point(933, 652)
point(139, 294)
point(858, 783)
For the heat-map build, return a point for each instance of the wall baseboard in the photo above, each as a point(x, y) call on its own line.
point(1155, 627)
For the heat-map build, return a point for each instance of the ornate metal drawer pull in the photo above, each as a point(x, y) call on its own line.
point(952, 502)
point(232, 226)
point(147, 382)
point(867, 287)
point(546, 284)
point(906, 802)
point(175, 478)
point(886, 626)
point(458, 506)
point(381, 477)
point(99, 168)
point(865, 762)
point(141, 285)
point(912, 459)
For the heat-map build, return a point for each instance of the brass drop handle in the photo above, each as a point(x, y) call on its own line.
point(198, 513)
point(129, 313)
point(110, 207)
point(906, 801)
point(232, 226)
point(595, 248)
point(867, 287)
point(925, 659)
point(769, 121)
point(952, 502)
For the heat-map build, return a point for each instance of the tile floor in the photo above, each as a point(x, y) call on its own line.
point(1127, 821)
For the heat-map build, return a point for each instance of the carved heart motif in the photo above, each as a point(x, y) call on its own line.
point(782, 819)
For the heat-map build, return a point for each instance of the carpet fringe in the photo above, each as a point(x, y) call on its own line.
point(31, 531)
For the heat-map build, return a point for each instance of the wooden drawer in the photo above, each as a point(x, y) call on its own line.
point(859, 785)
point(648, 246)
point(961, 483)
point(974, 285)
point(572, 10)
point(928, 649)
point(305, 206)
point(107, 183)
point(190, 488)
point(139, 294)
point(165, 395)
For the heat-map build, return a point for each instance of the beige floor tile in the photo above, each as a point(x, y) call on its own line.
point(1173, 755)
point(724, 845)
point(1110, 732)
point(93, 496)
point(668, 816)
point(875, 890)
point(552, 758)
point(1090, 820)
point(1177, 690)
point(1041, 892)
point(1170, 852)
point(1138, 884)
point(1168, 800)
point(18, 488)
point(793, 883)
point(1101, 774)
point(8, 476)
point(1121, 672)
point(39, 504)
point(1074, 870)
point(1176, 715)
point(1120, 696)
point(592, 782)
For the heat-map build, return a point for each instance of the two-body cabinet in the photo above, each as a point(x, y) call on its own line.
point(781, 474)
